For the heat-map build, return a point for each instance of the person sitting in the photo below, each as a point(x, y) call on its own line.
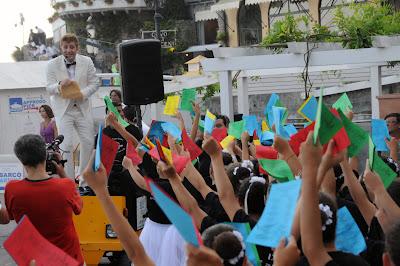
point(48, 202)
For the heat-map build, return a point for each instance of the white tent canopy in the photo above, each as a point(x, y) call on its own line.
point(29, 74)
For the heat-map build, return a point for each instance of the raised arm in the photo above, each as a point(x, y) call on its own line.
point(129, 240)
point(136, 176)
point(185, 199)
point(197, 180)
point(388, 211)
point(286, 153)
point(225, 190)
point(245, 146)
point(357, 192)
point(329, 160)
point(310, 217)
point(196, 119)
point(111, 119)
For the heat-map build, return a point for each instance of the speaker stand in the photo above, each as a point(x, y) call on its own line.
point(139, 118)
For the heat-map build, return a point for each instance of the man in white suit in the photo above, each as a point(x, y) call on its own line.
point(73, 112)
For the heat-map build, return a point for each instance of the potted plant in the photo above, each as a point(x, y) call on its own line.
point(130, 1)
point(222, 37)
point(88, 2)
point(390, 34)
point(59, 5)
point(74, 3)
point(109, 2)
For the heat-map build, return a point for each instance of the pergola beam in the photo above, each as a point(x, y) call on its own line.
point(318, 58)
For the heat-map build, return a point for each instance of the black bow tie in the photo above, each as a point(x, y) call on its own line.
point(70, 64)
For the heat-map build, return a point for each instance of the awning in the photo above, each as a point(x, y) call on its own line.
point(256, 2)
point(201, 48)
point(205, 15)
point(225, 4)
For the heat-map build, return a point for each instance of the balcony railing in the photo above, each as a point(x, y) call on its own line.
point(66, 7)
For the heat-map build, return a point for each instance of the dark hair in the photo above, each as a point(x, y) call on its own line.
point(237, 174)
point(118, 92)
point(225, 119)
point(256, 195)
point(328, 222)
point(48, 110)
point(395, 115)
point(30, 150)
point(115, 104)
point(393, 244)
point(220, 237)
point(130, 113)
point(227, 158)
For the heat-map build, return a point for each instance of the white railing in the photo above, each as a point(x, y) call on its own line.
point(79, 6)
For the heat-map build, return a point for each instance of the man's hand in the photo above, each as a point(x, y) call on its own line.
point(310, 154)
point(96, 180)
point(245, 138)
point(286, 255)
point(202, 256)
point(211, 147)
point(59, 169)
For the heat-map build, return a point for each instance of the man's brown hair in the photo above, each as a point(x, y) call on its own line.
point(70, 37)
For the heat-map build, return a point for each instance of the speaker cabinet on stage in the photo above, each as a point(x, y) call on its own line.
point(141, 72)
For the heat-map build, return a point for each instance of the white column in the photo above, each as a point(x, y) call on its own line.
point(376, 89)
point(226, 97)
point(243, 95)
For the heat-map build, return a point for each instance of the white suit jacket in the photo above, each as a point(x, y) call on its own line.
point(85, 76)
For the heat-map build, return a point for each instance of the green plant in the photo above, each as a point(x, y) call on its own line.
point(59, 5)
point(286, 30)
point(88, 2)
point(109, 2)
point(367, 19)
point(74, 3)
point(221, 36)
point(208, 91)
point(53, 17)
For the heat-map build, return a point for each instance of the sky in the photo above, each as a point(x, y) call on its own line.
point(35, 13)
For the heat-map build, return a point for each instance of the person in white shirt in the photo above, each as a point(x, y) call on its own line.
point(76, 112)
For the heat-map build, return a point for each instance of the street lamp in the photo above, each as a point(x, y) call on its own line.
point(157, 20)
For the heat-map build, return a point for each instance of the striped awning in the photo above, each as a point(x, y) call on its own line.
point(205, 15)
point(225, 4)
point(256, 2)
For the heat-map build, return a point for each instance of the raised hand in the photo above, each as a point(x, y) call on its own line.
point(211, 146)
point(282, 146)
point(96, 180)
point(196, 108)
point(167, 170)
point(372, 180)
point(111, 118)
point(310, 154)
point(202, 256)
point(286, 255)
point(127, 163)
point(329, 160)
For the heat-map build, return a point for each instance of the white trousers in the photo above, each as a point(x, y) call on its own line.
point(74, 119)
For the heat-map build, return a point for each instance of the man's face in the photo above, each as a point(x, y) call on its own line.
point(392, 124)
point(69, 50)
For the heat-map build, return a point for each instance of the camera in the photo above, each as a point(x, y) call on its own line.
point(51, 155)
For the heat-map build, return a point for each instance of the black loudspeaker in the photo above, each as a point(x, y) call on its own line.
point(141, 73)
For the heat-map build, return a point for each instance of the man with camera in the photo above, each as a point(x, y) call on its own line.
point(49, 202)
